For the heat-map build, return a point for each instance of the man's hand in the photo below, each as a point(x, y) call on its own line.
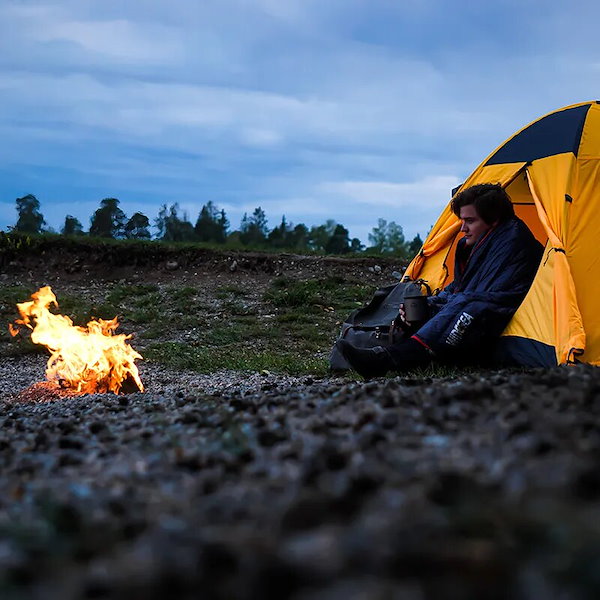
point(400, 320)
point(402, 314)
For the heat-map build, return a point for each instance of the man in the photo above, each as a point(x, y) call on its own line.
point(495, 263)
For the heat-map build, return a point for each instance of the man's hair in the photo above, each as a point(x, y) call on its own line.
point(490, 200)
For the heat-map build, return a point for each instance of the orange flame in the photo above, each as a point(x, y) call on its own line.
point(87, 359)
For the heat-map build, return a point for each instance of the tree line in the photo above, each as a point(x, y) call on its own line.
point(212, 226)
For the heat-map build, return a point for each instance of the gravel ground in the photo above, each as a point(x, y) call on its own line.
point(234, 486)
point(256, 486)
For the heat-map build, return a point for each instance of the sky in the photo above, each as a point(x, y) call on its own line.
point(351, 110)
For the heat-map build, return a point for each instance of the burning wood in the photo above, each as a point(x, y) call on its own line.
point(87, 360)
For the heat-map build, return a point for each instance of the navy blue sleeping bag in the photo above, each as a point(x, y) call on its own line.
point(491, 280)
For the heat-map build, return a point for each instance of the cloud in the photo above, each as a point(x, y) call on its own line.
point(416, 194)
point(118, 39)
point(346, 110)
point(359, 204)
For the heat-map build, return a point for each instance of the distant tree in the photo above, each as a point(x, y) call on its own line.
point(109, 220)
point(30, 218)
point(72, 226)
point(339, 242)
point(356, 245)
point(388, 238)
point(233, 238)
point(253, 229)
point(223, 230)
point(280, 236)
point(299, 237)
point(211, 225)
point(138, 227)
point(206, 223)
point(259, 221)
point(161, 221)
point(415, 245)
point(319, 236)
point(173, 228)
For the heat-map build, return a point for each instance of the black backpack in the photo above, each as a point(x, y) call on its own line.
point(375, 323)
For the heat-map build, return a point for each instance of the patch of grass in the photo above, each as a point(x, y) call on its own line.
point(296, 316)
point(81, 311)
point(238, 330)
point(334, 292)
point(238, 307)
point(121, 293)
point(151, 300)
point(147, 304)
point(209, 360)
point(153, 331)
point(145, 316)
point(183, 300)
point(21, 346)
point(10, 296)
point(226, 291)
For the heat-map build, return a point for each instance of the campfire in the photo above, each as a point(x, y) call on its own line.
point(83, 360)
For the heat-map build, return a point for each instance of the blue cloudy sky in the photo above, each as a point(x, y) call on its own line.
point(316, 109)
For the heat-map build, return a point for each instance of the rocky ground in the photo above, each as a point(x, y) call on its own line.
point(250, 485)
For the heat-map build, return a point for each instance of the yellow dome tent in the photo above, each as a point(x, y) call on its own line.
point(551, 170)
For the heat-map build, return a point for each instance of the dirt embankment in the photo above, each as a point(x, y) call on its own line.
point(73, 259)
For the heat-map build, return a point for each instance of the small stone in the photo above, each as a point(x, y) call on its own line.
point(270, 437)
point(71, 442)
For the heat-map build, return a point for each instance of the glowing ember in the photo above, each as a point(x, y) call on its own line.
point(87, 359)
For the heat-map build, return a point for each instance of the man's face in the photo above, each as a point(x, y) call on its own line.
point(472, 224)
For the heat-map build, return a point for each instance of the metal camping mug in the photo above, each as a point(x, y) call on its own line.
point(416, 309)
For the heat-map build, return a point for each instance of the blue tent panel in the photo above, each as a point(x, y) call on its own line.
point(514, 350)
point(557, 133)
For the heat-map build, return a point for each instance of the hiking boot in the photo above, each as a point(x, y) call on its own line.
point(368, 362)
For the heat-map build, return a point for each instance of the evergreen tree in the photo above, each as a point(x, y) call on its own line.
point(244, 224)
point(339, 242)
point(415, 245)
point(223, 230)
point(161, 221)
point(299, 237)
point(30, 218)
point(319, 236)
point(280, 235)
point(72, 226)
point(138, 227)
point(109, 220)
point(211, 225)
point(259, 221)
point(171, 227)
point(254, 230)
